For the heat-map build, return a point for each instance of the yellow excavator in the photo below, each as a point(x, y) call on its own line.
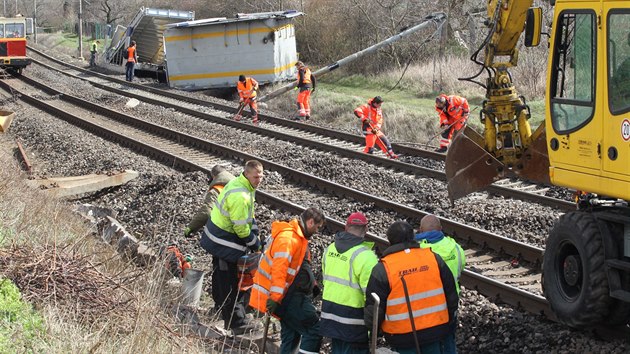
point(584, 144)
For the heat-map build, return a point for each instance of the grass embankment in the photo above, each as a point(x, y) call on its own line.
point(409, 108)
point(87, 298)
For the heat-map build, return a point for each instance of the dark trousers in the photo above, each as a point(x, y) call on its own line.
point(300, 321)
point(92, 58)
point(342, 347)
point(225, 293)
point(445, 346)
point(129, 70)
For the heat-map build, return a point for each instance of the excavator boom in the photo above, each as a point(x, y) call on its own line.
point(507, 146)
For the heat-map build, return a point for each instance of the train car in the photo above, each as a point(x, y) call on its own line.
point(13, 33)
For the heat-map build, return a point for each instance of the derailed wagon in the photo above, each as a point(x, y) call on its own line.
point(212, 53)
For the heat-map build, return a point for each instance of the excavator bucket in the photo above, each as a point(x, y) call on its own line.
point(469, 167)
point(534, 164)
point(6, 117)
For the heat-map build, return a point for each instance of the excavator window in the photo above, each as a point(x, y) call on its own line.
point(618, 62)
point(572, 88)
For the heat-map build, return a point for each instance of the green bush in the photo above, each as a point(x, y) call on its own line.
point(21, 328)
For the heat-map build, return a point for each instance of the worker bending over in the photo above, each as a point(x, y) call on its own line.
point(284, 282)
point(247, 90)
point(229, 233)
point(346, 269)
point(372, 118)
point(412, 280)
point(453, 111)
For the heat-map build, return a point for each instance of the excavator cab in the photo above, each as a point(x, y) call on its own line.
point(583, 145)
point(507, 147)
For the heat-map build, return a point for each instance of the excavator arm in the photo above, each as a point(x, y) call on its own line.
point(507, 146)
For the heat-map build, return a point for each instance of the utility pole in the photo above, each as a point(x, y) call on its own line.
point(81, 29)
point(35, 20)
point(4, 8)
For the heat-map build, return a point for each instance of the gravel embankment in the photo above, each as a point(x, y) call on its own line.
point(156, 206)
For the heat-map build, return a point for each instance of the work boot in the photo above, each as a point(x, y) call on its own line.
point(307, 117)
point(391, 154)
point(255, 120)
point(442, 149)
point(237, 117)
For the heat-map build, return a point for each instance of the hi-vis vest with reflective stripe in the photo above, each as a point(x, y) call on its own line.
point(246, 89)
point(233, 211)
point(345, 279)
point(341, 273)
point(280, 263)
point(306, 76)
point(426, 292)
point(452, 254)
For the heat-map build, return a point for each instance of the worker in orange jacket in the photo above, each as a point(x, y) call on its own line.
point(284, 283)
point(453, 111)
point(412, 281)
point(247, 89)
point(305, 84)
point(372, 118)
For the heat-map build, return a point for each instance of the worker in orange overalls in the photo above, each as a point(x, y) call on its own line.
point(453, 111)
point(372, 118)
point(306, 85)
point(247, 88)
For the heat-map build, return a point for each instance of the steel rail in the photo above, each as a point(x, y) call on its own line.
point(464, 232)
point(485, 285)
point(396, 165)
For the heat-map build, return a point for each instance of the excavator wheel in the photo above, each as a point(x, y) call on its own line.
point(574, 281)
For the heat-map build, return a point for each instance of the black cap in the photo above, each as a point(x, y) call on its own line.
point(377, 99)
point(241, 78)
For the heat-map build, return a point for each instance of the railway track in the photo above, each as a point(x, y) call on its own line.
point(498, 267)
point(343, 144)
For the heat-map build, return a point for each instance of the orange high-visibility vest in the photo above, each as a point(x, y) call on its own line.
point(246, 89)
point(306, 77)
point(374, 115)
point(426, 292)
point(455, 113)
point(131, 54)
point(280, 264)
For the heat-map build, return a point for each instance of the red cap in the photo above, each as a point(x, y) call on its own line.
point(357, 219)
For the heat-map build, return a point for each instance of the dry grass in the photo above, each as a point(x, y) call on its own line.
point(91, 299)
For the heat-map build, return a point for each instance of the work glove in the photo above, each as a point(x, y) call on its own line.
point(240, 100)
point(375, 131)
point(443, 125)
point(316, 290)
point(295, 88)
point(187, 232)
point(272, 306)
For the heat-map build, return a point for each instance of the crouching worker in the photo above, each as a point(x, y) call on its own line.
point(409, 279)
point(284, 282)
point(372, 118)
